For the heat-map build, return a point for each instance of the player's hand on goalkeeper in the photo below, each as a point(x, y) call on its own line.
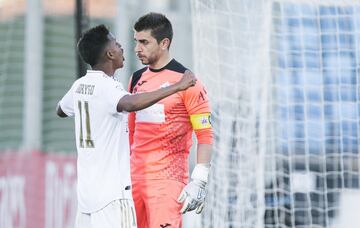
point(193, 194)
point(188, 80)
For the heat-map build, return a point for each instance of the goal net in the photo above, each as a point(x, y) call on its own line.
point(284, 84)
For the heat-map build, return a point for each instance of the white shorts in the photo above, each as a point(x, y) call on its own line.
point(117, 214)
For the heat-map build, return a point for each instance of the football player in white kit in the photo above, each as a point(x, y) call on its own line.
point(100, 105)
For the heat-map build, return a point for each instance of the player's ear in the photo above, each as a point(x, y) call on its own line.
point(109, 54)
point(165, 43)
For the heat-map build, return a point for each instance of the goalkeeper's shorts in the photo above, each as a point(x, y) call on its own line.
point(117, 214)
point(156, 203)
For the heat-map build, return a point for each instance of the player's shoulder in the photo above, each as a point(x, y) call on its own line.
point(136, 76)
point(78, 81)
point(176, 67)
point(107, 80)
point(141, 71)
point(103, 81)
point(179, 68)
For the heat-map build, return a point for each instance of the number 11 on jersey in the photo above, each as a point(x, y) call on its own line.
point(89, 143)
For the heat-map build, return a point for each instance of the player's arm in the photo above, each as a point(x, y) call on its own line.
point(65, 106)
point(140, 101)
point(60, 112)
point(197, 103)
point(204, 153)
point(131, 119)
point(193, 195)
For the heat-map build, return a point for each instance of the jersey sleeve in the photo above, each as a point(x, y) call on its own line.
point(197, 104)
point(129, 84)
point(113, 93)
point(131, 125)
point(67, 102)
point(131, 119)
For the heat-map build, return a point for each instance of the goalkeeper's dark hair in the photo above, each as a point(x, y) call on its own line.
point(157, 23)
point(92, 43)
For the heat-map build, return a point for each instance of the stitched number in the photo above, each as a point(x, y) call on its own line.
point(89, 143)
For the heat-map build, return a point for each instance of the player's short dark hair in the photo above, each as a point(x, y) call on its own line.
point(159, 25)
point(92, 44)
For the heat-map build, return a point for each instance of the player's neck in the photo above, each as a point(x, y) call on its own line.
point(108, 70)
point(162, 61)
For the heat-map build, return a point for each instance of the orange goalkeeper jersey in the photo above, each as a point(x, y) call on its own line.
point(161, 135)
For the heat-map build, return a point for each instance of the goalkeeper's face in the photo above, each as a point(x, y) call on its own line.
point(147, 49)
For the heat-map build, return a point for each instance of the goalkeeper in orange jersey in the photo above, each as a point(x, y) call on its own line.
point(161, 135)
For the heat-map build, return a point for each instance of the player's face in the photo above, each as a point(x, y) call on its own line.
point(118, 52)
point(147, 48)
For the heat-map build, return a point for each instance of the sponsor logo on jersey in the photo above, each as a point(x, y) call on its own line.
point(152, 114)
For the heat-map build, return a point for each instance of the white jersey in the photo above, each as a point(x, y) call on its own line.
point(103, 164)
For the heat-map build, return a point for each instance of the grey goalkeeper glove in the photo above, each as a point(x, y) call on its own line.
point(193, 194)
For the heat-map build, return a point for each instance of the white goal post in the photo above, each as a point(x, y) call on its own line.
point(283, 78)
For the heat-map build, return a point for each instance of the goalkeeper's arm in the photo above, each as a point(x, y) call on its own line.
point(193, 195)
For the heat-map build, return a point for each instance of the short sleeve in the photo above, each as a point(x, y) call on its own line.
point(196, 99)
point(67, 103)
point(197, 104)
point(113, 93)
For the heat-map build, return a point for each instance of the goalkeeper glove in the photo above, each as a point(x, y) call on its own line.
point(193, 194)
